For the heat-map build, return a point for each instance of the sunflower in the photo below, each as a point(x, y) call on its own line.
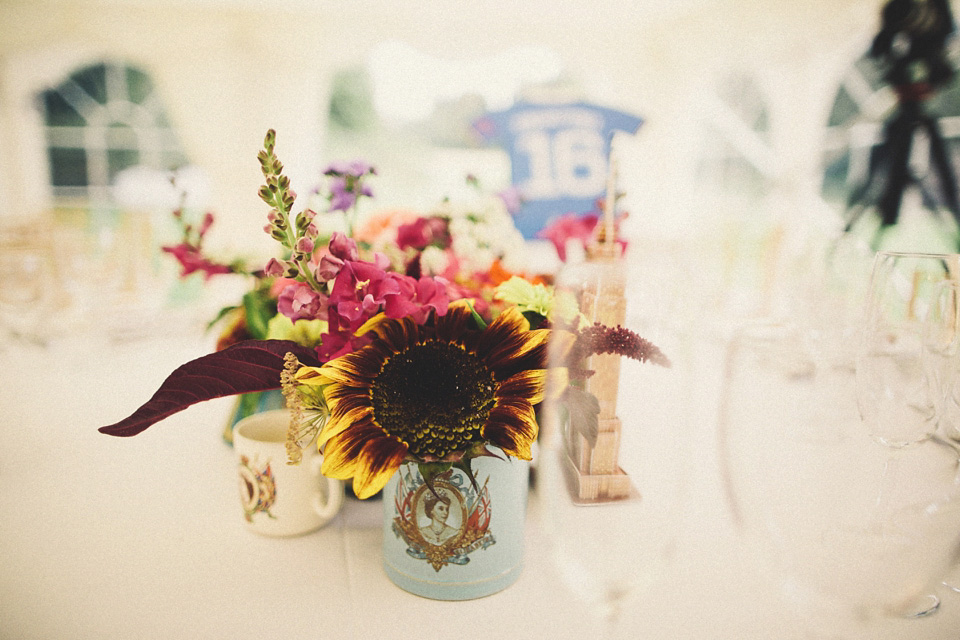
point(432, 393)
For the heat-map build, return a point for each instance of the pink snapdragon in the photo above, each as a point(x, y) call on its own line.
point(363, 289)
point(340, 250)
point(192, 260)
point(300, 302)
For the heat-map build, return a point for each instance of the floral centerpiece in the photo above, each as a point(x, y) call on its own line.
point(423, 347)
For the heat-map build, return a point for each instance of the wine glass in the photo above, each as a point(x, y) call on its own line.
point(25, 284)
point(611, 496)
point(942, 365)
point(893, 384)
point(942, 357)
point(856, 531)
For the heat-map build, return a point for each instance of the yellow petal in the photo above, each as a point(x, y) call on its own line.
point(528, 385)
point(371, 324)
point(314, 376)
point(333, 427)
point(340, 423)
point(338, 461)
point(377, 463)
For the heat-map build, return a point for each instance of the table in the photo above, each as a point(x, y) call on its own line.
point(143, 537)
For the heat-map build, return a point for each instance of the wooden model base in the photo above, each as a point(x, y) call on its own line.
point(599, 488)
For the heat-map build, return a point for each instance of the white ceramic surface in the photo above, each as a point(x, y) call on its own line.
point(280, 499)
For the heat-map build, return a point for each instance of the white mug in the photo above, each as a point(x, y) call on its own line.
point(280, 499)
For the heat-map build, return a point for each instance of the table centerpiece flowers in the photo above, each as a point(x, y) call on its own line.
point(427, 372)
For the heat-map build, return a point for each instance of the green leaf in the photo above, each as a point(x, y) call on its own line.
point(249, 403)
point(431, 471)
point(481, 324)
point(584, 411)
point(534, 318)
point(258, 312)
point(220, 316)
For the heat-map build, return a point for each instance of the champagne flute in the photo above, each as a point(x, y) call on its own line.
point(942, 354)
point(25, 285)
point(893, 385)
point(898, 369)
point(942, 357)
point(857, 532)
point(611, 496)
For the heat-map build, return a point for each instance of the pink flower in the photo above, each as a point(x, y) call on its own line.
point(576, 227)
point(278, 285)
point(300, 302)
point(305, 245)
point(359, 291)
point(340, 250)
point(191, 260)
point(206, 224)
point(338, 343)
point(417, 298)
point(343, 247)
point(569, 227)
point(274, 268)
point(424, 232)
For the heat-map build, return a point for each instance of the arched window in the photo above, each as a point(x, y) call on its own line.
point(102, 119)
point(737, 158)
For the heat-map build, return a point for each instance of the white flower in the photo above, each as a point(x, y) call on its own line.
point(434, 261)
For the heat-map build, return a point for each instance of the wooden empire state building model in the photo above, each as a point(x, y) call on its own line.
point(594, 462)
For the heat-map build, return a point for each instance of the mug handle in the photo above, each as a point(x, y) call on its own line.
point(327, 501)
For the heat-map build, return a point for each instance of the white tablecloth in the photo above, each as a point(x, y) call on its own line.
point(142, 537)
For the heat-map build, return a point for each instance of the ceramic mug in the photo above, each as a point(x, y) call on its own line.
point(279, 499)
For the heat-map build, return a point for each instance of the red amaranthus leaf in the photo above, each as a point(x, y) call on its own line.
point(252, 365)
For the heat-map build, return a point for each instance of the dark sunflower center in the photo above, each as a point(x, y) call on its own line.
point(434, 396)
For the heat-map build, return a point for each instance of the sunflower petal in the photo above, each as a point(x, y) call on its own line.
point(529, 385)
point(377, 462)
point(314, 376)
point(354, 369)
point(342, 421)
point(371, 324)
point(509, 345)
point(397, 335)
point(453, 324)
point(341, 454)
point(343, 402)
point(512, 426)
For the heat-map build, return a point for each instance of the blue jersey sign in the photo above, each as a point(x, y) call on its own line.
point(558, 154)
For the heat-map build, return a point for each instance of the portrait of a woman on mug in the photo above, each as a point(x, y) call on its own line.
point(437, 508)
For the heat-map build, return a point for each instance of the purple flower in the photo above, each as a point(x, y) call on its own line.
point(355, 168)
point(341, 197)
point(512, 199)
